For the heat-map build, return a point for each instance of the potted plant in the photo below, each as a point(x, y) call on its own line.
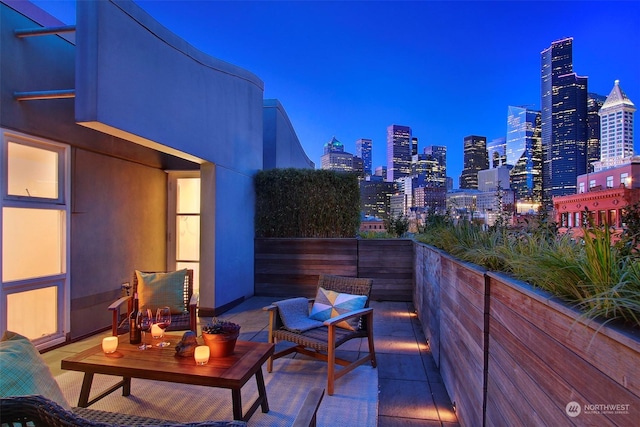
point(220, 336)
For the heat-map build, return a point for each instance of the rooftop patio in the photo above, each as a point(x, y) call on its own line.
point(411, 391)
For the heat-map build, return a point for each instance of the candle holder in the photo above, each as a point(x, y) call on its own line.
point(109, 344)
point(156, 331)
point(201, 355)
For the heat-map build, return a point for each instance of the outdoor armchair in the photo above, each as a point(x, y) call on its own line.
point(158, 289)
point(320, 338)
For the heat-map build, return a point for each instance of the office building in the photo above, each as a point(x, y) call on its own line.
point(335, 158)
point(594, 103)
point(496, 152)
point(363, 150)
point(563, 121)
point(428, 170)
point(491, 179)
point(375, 195)
point(438, 152)
point(398, 152)
point(414, 146)
point(524, 153)
point(616, 128)
point(475, 160)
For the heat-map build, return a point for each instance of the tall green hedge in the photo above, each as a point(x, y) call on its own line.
point(306, 203)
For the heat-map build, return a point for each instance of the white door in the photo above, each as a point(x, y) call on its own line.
point(183, 249)
point(35, 298)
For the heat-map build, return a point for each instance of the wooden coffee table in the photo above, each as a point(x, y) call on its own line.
point(162, 364)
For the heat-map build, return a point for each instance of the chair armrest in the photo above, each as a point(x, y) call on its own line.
point(116, 305)
point(195, 298)
point(115, 313)
point(349, 315)
point(270, 308)
point(307, 415)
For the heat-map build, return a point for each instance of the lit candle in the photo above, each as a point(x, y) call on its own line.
point(109, 344)
point(201, 354)
point(156, 331)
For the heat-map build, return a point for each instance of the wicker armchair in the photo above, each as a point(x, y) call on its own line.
point(321, 342)
point(184, 321)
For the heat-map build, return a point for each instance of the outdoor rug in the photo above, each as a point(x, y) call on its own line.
point(354, 403)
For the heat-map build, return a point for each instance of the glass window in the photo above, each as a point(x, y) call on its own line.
point(610, 182)
point(39, 301)
point(21, 229)
point(32, 172)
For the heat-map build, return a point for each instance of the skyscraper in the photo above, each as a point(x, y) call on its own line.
point(414, 146)
point(496, 150)
point(363, 150)
point(335, 158)
point(563, 120)
point(398, 152)
point(439, 152)
point(475, 160)
point(616, 128)
point(524, 153)
point(594, 103)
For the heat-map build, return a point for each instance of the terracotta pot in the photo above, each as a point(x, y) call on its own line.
point(220, 345)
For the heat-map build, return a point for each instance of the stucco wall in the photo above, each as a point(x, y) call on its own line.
point(118, 223)
point(281, 144)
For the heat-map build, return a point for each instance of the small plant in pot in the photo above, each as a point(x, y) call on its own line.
point(220, 336)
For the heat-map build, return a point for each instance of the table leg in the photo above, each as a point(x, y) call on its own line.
point(83, 400)
point(126, 386)
point(262, 391)
point(237, 404)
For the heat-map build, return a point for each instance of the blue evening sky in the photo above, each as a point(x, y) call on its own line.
point(447, 69)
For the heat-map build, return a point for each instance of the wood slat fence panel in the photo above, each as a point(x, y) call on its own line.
point(290, 267)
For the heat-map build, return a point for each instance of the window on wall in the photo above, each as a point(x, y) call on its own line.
point(35, 228)
point(610, 182)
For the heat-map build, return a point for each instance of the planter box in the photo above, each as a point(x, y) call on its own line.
point(513, 355)
point(543, 356)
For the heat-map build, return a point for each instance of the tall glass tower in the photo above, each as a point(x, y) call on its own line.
point(524, 153)
point(475, 160)
point(496, 150)
point(594, 103)
point(563, 121)
point(398, 152)
point(363, 150)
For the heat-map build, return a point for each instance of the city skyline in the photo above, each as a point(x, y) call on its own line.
point(445, 69)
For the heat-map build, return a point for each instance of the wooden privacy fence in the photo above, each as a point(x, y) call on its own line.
point(287, 267)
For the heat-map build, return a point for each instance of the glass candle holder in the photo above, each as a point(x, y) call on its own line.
point(156, 331)
point(109, 344)
point(201, 355)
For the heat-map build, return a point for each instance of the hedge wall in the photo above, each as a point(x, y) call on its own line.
point(306, 203)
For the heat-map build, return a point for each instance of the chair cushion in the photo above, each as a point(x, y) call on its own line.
point(330, 304)
point(161, 290)
point(24, 371)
